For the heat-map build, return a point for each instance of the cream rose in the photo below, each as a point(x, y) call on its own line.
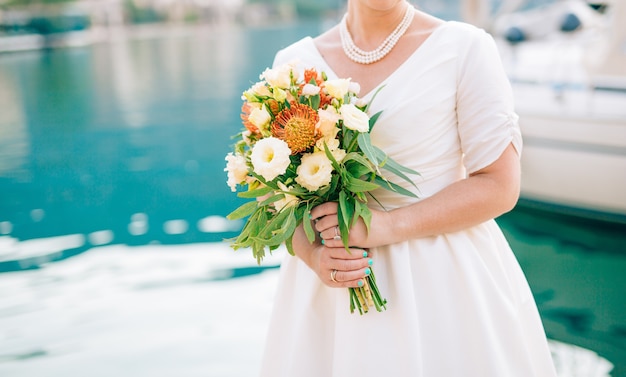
point(354, 119)
point(315, 171)
point(337, 88)
point(327, 123)
point(279, 77)
point(260, 117)
point(270, 157)
point(237, 170)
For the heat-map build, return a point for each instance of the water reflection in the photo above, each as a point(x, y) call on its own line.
point(14, 142)
point(137, 126)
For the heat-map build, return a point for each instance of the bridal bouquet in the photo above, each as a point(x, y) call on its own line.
point(306, 141)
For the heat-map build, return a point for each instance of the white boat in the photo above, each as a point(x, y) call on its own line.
point(570, 94)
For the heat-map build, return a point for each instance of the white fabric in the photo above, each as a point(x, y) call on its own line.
point(458, 304)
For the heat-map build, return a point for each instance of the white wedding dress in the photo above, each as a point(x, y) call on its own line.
point(458, 303)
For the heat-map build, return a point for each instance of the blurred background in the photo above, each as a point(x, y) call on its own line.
point(116, 115)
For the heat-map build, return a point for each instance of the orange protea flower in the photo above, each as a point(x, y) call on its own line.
point(246, 109)
point(296, 126)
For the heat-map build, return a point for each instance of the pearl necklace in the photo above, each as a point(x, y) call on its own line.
point(357, 55)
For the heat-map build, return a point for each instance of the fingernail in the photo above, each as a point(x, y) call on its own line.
point(370, 262)
point(360, 283)
point(322, 241)
point(310, 216)
point(365, 254)
point(368, 271)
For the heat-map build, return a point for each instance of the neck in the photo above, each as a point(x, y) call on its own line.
point(370, 26)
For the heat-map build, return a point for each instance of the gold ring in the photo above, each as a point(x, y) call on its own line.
point(333, 273)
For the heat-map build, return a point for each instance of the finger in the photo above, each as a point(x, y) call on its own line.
point(341, 254)
point(351, 278)
point(324, 209)
point(326, 223)
point(331, 233)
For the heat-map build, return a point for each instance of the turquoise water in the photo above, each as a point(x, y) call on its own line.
point(129, 139)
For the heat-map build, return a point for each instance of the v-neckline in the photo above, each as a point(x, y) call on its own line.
point(331, 71)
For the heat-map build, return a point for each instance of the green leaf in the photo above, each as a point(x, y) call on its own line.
point(255, 193)
point(272, 199)
point(391, 162)
point(358, 185)
point(315, 101)
point(366, 215)
point(374, 97)
point(388, 185)
point(289, 245)
point(365, 143)
point(344, 213)
point(281, 227)
point(373, 119)
point(306, 223)
point(330, 156)
point(244, 210)
point(345, 219)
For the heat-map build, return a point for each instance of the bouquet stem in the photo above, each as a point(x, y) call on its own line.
point(367, 296)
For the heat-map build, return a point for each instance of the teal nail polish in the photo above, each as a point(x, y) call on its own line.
point(368, 271)
point(370, 262)
point(360, 283)
point(322, 242)
point(365, 254)
point(310, 216)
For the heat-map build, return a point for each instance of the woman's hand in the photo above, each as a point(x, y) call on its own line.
point(335, 266)
point(327, 225)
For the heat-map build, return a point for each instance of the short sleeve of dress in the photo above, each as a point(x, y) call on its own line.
point(487, 122)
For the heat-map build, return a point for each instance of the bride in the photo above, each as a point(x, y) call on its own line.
point(458, 302)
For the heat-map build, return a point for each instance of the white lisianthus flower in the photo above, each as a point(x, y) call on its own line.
point(354, 119)
point(288, 200)
point(279, 77)
point(260, 117)
point(330, 142)
point(354, 88)
point(337, 88)
point(261, 89)
point(315, 171)
point(333, 146)
point(237, 170)
point(270, 157)
point(310, 90)
point(338, 154)
point(361, 103)
point(327, 123)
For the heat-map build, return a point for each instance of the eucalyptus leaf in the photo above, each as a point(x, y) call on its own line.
point(244, 210)
point(306, 224)
point(394, 187)
point(255, 193)
point(358, 185)
point(365, 143)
